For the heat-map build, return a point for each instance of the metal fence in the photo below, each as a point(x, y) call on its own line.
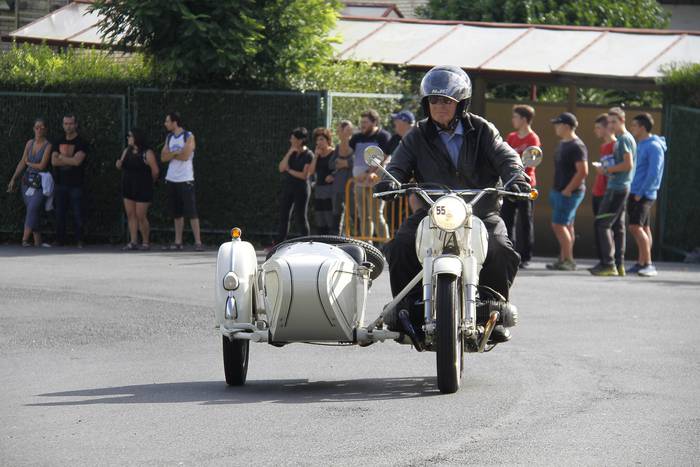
point(679, 223)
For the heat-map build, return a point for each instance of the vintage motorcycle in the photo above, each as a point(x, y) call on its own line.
point(314, 289)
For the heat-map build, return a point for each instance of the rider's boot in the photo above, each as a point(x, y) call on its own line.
point(499, 334)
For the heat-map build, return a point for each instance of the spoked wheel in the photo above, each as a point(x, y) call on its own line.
point(450, 353)
point(235, 360)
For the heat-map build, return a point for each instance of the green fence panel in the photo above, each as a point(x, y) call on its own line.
point(241, 137)
point(101, 120)
point(680, 214)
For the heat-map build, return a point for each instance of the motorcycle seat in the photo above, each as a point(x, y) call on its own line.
point(356, 252)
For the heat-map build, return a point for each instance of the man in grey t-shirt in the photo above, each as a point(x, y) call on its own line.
point(611, 213)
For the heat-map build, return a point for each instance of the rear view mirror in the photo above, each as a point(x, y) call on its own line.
point(374, 156)
point(532, 156)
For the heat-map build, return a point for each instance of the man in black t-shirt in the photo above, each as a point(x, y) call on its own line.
point(570, 171)
point(68, 160)
point(370, 212)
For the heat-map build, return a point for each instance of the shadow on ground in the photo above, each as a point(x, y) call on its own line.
point(290, 391)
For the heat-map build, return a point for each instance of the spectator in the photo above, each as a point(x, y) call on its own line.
point(370, 211)
point(645, 185)
point(139, 172)
point(604, 132)
point(521, 234)
point(69, 158)
point(570, 171)
point(614, 202)
point(34, 161)
point(295, 168)
point(404, 121)
point(341, 166)
point(178, 152)
point(323, 187)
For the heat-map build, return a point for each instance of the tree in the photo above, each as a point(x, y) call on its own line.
point(608, 13)
point(243, 42)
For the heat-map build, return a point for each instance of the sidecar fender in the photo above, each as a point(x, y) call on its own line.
point(237, 257)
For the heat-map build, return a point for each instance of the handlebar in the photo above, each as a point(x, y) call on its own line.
point(478, 193)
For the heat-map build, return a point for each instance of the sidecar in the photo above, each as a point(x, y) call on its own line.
point(306, 290)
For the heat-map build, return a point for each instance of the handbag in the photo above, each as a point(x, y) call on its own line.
point(32, 179)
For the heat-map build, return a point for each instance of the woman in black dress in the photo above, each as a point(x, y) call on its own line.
point(295, 169)
point(139, 172)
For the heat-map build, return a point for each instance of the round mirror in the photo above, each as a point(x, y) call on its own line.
point(532, 156)
point(374, 156)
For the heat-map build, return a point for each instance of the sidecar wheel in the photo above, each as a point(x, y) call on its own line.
point(235, 360)
point(450, 352)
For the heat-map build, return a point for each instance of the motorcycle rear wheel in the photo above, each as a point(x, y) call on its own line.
point(450, 350)
point(235, 360)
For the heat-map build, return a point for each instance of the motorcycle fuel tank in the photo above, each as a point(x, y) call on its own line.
point(314, 292)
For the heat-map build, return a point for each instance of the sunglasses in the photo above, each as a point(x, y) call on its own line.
point(440, 100)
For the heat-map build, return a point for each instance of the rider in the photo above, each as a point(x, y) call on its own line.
point(456, 148)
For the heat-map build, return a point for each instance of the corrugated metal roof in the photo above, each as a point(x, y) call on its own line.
point(493, 47)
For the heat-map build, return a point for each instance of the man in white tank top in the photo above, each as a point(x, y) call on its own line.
point(178, 152)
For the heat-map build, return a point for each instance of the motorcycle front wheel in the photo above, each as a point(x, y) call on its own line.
point(235, 360)
point(450, 352)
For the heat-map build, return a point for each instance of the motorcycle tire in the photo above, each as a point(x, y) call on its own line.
point(235, 360)
point(374, 256)
point(450, 350)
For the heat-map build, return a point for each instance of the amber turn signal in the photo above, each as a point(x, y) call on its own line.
point(534, 194)
point(236, 233)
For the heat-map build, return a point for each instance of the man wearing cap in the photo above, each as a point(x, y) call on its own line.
point(460, 150)
point(612, 209)
point(403, 123)
point(570, 172)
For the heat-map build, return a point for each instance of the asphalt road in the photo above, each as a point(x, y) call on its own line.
point(112, 358)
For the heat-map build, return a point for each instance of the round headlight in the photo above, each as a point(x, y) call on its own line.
point(450, 213)
point(231, 281)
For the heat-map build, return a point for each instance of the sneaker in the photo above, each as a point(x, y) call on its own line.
point(635, 269)
point(621, 270)
point(603, 270)
point(648, 271)
point(565, 265)
point(524, 265)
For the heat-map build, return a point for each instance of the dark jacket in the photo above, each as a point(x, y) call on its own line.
point(483, 159)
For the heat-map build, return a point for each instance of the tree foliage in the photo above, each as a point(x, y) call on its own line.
point(681, 84)
point(608, 13)
point(39, 67)
point(243, 42)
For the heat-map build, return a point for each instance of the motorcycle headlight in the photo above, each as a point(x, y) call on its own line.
point(231, 281)
point(450, 213)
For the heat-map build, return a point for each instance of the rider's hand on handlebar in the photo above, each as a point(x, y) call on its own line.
point(520, 186)
point(386, 185)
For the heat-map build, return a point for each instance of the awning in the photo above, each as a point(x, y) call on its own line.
point(489, 47)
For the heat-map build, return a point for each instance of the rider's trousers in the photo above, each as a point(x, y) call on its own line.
point(498, 272)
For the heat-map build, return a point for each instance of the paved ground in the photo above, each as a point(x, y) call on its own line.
point(111, 358)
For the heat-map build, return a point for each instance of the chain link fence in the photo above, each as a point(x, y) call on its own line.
point(679, 208)
point(101, 121)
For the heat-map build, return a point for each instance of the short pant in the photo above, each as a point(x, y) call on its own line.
point(639, 212)
point(182, 199)
point(564, 207)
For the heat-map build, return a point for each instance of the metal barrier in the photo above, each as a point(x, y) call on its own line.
point(371, 219)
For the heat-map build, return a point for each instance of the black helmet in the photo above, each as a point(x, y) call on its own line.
point(447, 81)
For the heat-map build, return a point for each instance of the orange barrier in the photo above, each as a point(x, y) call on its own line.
point(371, 219)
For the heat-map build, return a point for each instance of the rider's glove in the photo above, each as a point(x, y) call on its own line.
point(520, 186)
point(386, 185)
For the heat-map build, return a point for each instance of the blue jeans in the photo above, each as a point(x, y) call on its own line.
point(65, 197)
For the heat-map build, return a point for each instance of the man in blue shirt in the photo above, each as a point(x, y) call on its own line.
point(613, 206)
point(645, 185)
